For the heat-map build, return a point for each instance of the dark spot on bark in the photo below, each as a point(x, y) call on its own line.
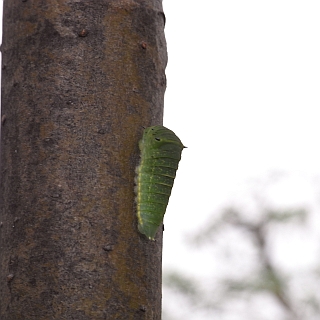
point(143, 309)
point(131, 109)
point(48, 142)
point(83, 33)
point(3, 119)
point(163, 80)
point(10, 277)
point(108, 248)
point(33, 282)
point(163, 17)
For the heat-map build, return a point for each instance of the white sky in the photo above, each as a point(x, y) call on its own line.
point(243, 95)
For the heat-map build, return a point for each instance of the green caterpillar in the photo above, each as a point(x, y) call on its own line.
point(160, 155)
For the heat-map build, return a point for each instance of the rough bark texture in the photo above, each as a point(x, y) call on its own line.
point(79, 80)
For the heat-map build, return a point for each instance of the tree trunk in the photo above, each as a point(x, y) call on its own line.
point(79, 81)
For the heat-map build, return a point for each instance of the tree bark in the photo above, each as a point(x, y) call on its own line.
point(79, 81)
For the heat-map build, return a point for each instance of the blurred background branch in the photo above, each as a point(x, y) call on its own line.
point(250, 279)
